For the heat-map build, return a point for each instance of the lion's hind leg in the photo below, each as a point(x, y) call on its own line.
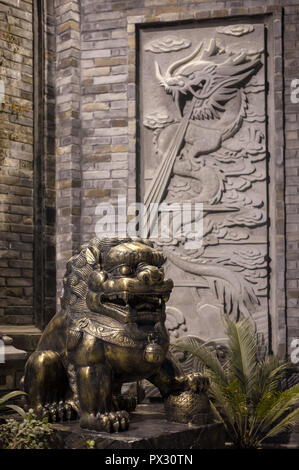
point(47, 386)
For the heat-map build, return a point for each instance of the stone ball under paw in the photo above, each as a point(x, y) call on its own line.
point(188, 407)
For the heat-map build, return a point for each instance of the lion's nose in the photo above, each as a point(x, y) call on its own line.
point(150, 275)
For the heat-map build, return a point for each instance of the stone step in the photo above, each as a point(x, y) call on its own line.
point(24, 337)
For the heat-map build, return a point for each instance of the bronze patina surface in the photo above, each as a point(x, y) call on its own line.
point(110, 330)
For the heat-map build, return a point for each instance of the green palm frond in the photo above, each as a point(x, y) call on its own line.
point(243, 352)
point(209, 359)
point(10, 395)
point(268, 377)
point(272, 407)
point(18, 409)
point(285, 424)
point(245, 393)
point(227, 408)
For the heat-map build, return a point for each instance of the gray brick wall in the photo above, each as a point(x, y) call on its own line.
point(27, 152)
point(93, 158)
point(68, 133)
point(16, 157)
point(291, 68)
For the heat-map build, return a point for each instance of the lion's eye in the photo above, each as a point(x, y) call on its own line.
point(125, 270)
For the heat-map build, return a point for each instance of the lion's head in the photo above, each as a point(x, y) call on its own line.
point(119, 278)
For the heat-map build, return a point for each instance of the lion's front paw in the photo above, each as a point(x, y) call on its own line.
point(197, 382)
point(58, 411)
point(114, 421)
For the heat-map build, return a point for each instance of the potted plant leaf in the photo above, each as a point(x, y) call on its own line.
point(246, 393)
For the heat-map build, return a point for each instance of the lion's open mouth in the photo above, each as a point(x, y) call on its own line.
point(144, 308)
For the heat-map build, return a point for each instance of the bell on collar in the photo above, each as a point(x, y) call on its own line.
point(153, 352)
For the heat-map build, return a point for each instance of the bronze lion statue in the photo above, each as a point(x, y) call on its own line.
point(110, 331)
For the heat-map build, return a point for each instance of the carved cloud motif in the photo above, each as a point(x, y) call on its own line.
point(236, 30)
point(157, 120)
point(167, 44)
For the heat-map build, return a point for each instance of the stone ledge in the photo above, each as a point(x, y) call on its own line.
point(149, 429)
point(24, 337)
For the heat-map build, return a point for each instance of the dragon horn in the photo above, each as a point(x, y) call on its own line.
point(211, 50)
point(176, 64)
point(158, 73)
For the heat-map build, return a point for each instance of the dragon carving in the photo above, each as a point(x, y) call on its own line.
point(206, 81)
point(208, 87)
point(111, 330)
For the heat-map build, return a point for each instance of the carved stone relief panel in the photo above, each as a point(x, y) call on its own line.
point(202, 127)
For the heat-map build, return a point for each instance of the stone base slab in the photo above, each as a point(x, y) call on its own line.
point(149, 429)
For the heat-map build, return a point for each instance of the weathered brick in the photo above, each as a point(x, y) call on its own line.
point(110, 61)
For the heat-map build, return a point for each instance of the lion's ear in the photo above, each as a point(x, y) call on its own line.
point(92, 255)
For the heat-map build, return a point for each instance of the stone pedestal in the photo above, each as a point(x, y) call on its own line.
point(12, 363)
point(149, 429)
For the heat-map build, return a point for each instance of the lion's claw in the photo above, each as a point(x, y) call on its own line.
point(115, 421)
point(197, 382)
point(57, 412)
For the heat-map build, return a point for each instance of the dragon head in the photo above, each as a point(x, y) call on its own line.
point(210, 75)
point(183, 76)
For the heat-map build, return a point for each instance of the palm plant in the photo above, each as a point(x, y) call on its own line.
point(245, 393)
point(8, 396)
